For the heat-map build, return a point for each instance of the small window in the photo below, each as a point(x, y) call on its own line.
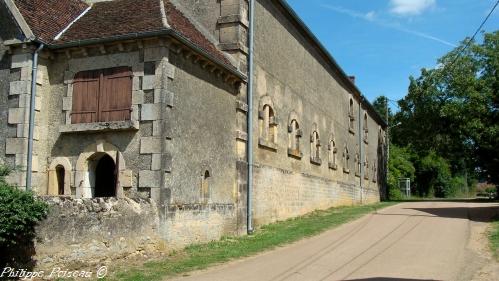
point(102, 95)
point(315, 148)
point(357, 164)
point(375, 172)
point(366, 129)
point(351, 117)
point(205, 187)
point(333, 151)
point(346, 160)
point(366, 168)
point(295, 134)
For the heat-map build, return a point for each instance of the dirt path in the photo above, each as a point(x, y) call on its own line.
point(409, 241)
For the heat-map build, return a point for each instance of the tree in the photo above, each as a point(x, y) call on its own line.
point(400, 166)
point(452, 110)
point(380, 104)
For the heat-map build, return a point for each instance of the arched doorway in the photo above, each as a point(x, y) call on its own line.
point(61, 179)
point(105, 177)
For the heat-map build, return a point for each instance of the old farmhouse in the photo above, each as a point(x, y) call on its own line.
point(131, 119)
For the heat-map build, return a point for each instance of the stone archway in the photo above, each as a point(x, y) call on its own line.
point(105, 177)
point(59, 177)
point(88, 162)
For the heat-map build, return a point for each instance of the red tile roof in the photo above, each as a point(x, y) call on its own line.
point(115, 18)
point(110, 19)
point(47, 18)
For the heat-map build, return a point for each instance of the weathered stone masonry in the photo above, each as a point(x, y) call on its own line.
point(181, 159)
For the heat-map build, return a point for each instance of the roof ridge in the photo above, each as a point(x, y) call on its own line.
point(71, 23)
point(164, 19)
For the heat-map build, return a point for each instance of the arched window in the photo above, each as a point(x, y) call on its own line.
point(366, 168)
point(267, 124)
point(205, 187)
point(366, 129)
point(351, 117)
point(315, 148)
point(346, 160)
point(333, 151)
point(357, 163)
point(295, 134)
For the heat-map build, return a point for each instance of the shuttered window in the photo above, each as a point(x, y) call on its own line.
point(102, 95)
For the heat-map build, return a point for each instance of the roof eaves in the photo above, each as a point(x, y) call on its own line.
point(165, 31)
point(331, 60)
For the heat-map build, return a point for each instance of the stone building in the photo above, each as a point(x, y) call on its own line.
point(147, 100)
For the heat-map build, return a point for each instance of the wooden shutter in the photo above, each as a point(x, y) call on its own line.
point(115, 100)
point(102, 95)
point(85, 97)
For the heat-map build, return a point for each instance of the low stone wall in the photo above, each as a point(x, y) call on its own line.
point(84, 232)
point(281, 194)
point(197, 223)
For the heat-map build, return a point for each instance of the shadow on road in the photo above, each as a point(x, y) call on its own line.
point(388, 279)
point(477, 214)
point(470, 200)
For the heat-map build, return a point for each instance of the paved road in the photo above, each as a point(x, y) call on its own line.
point(409, 241)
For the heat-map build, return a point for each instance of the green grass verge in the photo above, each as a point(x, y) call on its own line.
point(229, 248)
point(494, 238)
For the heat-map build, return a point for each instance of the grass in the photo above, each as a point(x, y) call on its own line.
point(229, 248)
point(494, 238)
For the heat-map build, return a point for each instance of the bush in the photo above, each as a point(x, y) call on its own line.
point(457, 187)
point(400, 166)
point(395, 193)
point(20, 211)
point(433, 176)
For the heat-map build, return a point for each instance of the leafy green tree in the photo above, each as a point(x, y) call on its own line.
point(434, 175)
point(452, 110)
point(380, 104)
point(400, 166)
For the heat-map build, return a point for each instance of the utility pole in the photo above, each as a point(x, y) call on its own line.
point(387, 191)
point(387, 133)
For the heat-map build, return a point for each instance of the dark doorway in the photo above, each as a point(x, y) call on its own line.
point(61, 173)
point(105, 178)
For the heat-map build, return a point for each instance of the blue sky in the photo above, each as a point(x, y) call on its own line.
point(383, 42)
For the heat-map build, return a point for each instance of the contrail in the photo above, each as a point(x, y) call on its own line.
point(371, 18)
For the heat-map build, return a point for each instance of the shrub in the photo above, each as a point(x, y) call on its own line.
point(19, 212)
point(400, 166)
point(433, 176)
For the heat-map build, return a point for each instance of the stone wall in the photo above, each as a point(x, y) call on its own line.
point(84, 232)
point(186, 224)
point(79, 233)
point(294, 80)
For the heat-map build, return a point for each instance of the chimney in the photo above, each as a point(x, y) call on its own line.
point(352, 78)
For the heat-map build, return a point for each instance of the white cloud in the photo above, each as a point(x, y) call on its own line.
point(411, 7)
point(372, 17)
